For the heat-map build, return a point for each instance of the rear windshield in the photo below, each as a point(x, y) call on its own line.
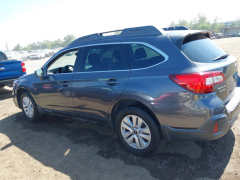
point(2, 57)
point(199, 48)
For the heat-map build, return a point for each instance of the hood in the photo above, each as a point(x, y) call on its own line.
point(26, 76)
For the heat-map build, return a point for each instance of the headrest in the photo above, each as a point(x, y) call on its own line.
point(94, 59)
point(140, 53)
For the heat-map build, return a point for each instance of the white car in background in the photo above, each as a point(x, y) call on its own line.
point(47, 52)
point(14, 55)
point(37, 54)
point(25, 55)
point(54, 51)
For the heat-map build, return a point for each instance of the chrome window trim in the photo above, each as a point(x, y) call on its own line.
point(99, 44)
point(104, 71)
point(59, 52)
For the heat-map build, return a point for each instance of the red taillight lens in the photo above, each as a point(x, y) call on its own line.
point(23, 67)
point(199, 83)
point(215, 128)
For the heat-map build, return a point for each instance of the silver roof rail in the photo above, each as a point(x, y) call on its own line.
point(175, 28)
point(128, 32)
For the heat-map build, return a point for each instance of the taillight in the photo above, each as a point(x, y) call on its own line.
point(215, 128)
point(199, 83)
point(23, 67)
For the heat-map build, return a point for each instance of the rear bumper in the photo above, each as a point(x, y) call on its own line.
point(206, 131)
point(7, 82)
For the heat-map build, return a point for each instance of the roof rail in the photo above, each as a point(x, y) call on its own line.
point(175, 28)
point(128, 32)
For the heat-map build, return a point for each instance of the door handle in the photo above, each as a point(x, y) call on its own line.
point(112, 82)
point(65, 83)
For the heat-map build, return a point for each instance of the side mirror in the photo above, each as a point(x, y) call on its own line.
point(39, 73)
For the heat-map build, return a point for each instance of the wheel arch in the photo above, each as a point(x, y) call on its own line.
point(127, 103)
point(19, 92)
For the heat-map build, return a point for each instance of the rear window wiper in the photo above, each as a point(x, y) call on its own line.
point(221, 57)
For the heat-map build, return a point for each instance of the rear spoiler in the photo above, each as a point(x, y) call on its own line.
point(177, 37)
point(175, 28)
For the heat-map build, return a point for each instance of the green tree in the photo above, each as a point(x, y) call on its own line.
point(182, 22)
point(216, 26)
point(46, 44)
point(233, 24)
point(18, 47)
point(200, 22)
point(173, 24)
point(68, 39)
point(56, 43)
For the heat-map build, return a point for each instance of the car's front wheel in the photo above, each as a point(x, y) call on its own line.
point(138, 131)
point(29, 107)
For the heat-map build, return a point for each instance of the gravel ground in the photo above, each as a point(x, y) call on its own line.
point(65, 149)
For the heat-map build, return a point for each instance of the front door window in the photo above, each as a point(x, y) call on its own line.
point(64, 63)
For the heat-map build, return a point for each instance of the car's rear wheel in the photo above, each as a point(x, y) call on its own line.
point(138, 131)
point(29, 107)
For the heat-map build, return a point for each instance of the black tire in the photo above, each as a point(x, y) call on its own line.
point(156, 134)
point(36, 115)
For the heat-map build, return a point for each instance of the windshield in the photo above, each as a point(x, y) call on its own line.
point(201, 49)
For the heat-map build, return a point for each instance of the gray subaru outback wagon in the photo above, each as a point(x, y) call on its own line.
point(150, 85)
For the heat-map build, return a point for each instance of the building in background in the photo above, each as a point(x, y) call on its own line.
point(231, 31)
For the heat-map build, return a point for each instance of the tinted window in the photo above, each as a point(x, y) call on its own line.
point(2, 57)
point(199, 48)
point(140, 56)
point(102, 58)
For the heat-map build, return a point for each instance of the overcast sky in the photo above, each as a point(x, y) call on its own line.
point(26, 21)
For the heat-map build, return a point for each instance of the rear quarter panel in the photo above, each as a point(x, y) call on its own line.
point(152, 86)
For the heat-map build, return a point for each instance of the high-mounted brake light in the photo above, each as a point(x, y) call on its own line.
point(23, 67)
point(199, 83)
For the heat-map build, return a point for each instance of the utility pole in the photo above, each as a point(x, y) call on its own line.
point(6, 46)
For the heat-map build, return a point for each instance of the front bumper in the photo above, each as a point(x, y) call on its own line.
point(7, 82)
point(206, 131)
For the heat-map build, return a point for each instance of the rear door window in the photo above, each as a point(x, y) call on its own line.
point(141, 56)
point(102, 58)
point(199, 48)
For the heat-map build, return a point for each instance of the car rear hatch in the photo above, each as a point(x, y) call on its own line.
point(10, 69)
point(208, 57)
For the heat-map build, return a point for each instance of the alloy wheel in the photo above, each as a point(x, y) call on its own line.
point(135, 132)
point(28, 107)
